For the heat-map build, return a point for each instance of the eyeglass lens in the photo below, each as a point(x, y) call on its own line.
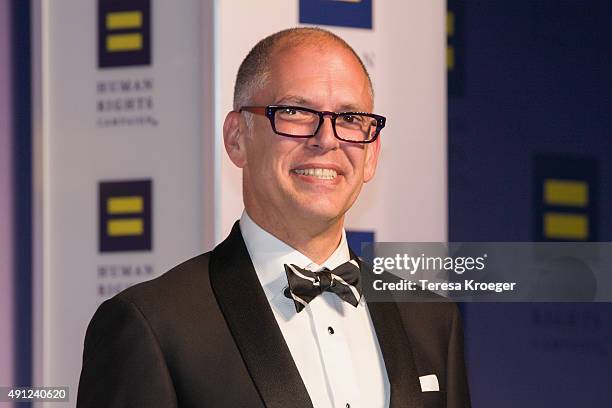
point(297, 122)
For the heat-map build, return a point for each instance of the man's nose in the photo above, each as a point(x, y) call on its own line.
point(325, 139)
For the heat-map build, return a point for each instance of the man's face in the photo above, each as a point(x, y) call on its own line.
point(276, 178)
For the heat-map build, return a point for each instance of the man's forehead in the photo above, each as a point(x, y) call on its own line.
point(303, 41)
point(321, 47)
point(327, 68)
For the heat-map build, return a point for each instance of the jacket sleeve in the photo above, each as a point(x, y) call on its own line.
point(123, 364)
point(458, 395)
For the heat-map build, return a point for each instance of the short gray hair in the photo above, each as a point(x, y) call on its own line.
point(254, 70)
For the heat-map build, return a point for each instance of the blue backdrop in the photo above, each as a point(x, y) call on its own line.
point(531, 85)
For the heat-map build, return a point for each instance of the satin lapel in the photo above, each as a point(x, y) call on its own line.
point(253, 326)
point(396, 350)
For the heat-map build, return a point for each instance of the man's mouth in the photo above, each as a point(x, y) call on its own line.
point(320, 173)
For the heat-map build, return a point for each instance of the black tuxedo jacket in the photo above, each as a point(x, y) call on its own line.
point(203, 335)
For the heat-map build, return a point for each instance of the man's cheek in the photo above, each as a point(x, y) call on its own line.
point(369, 168)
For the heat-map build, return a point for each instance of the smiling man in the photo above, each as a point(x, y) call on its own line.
point(274, 316)
point(299, 178)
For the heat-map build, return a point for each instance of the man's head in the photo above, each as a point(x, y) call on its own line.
point(254, 71)
point(314, 69)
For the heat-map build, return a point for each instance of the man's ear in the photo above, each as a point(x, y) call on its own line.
point(371, 159)
point(233, 138)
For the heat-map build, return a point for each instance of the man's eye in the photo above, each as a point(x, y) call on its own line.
point(288, 111)
point(349, 118)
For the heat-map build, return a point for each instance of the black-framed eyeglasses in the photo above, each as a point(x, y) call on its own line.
point(296, 121)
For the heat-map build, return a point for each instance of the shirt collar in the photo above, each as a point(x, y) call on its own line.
point(269, 255)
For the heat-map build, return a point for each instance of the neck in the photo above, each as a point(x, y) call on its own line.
point(315, 240)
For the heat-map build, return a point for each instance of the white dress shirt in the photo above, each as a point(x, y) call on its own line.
point(333, 344)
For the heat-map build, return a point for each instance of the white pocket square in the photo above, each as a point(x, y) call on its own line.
point(429, 383)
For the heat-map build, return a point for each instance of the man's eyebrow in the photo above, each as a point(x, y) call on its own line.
point(298, 100)
point(301, 101)
point(349, 107)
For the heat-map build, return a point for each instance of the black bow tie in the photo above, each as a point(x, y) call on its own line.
point(305, 285)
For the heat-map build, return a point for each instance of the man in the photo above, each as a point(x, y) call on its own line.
point(274, 315)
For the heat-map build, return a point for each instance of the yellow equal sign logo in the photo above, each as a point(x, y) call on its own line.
point(562, 225)
point(450, 31)
point(125, 215)
point(124, 41)
point(455, 47)
point(124, 33)
point(124, 226)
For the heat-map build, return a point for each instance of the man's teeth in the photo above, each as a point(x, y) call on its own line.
point(325, 174)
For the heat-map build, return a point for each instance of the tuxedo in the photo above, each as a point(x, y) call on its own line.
point(203, 335)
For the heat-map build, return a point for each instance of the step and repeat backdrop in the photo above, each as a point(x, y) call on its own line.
point(123, 163)
point(529, 160)
point(130, 175)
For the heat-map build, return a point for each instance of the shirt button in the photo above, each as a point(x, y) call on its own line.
point(330, 330)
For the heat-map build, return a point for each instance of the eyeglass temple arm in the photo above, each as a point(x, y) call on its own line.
point(259, 110)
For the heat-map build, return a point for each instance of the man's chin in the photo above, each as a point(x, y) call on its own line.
point(320, 213)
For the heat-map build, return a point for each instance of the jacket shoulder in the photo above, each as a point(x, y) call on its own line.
point(169, 305)
point(187, 278)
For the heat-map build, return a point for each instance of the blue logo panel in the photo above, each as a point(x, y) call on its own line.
point(124, 33)
point(356, 238)
point(342, 13)
point(125, 215)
